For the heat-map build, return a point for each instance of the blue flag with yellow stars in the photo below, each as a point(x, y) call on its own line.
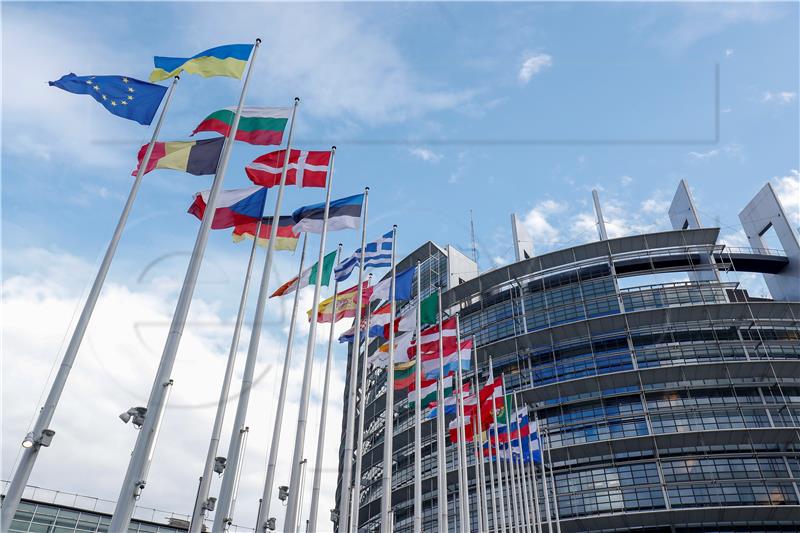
point(125, 97)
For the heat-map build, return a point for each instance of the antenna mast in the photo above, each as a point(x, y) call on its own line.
point(472, 236)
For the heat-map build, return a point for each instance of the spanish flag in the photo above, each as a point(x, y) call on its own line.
point(346, 304)
point(228, 60)
point(286, 239)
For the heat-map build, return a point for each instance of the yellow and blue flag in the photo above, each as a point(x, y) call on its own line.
point(125, 97)
point(227, 60)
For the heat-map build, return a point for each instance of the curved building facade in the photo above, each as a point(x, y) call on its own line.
point(669, 396)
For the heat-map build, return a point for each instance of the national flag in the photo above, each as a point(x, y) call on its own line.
point(484, 397)
point(342, 214)
point(122, 96)
point(429, 343)
point(450, 406)
point(227, 60)
point(346, 304)
point(407, 321)
point(378, 320)
point(403, 351)
point(306, 169)
point(468, 429)
point(428, 391)
point(376, 254)
point(195, 157)
point(309, 276)
point(236, 206)
point(402, 291)
point(286, 238)
point(403, 375)
point(429, 309)
point(534, 443)
point(257, 125)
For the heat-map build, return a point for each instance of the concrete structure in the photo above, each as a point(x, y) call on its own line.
point(671, 396)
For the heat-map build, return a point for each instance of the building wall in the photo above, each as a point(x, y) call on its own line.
point(667, 407)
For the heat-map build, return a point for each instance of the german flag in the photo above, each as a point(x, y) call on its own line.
point(286, 240)
point(195, 157)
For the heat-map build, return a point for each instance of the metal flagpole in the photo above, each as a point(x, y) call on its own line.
point(388, 429)
point(526, 513)
point(441, 452)
point(418, 413)
point(480, 497)
point(480, 455)
point(498, 462)
point(545, 491)
point(553, 482)
point(537, 522)
point(315, 488)
point(510, 465)
point(356, 495)
point(293, 505)
point(463, 489)
point(347, 457)
point(263, 510)
point(201, 504)
point(135, 480)
point(41, 434)
point(223, 513)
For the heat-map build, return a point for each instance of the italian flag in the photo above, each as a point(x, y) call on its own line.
point(257, 125)
point(308, 276)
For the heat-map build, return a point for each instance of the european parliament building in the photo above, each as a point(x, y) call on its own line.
point(670, 394)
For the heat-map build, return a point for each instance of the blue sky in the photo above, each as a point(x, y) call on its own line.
point(440, 108)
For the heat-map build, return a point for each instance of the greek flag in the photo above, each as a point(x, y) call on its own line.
point(376, 254)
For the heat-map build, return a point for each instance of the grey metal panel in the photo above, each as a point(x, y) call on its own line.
point(638, 319)
point(592, 250)
point(645, 443)
point(711, 516)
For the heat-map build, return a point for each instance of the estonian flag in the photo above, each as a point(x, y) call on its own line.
point(342, 214)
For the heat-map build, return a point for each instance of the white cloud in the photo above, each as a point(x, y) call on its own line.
point(114, 371)
point(788, 190)
point(426, 154)
point(536, 222)
point(728, 52)
point(779, 97)
point(731, 150)
point(626, 180)
point(533, 65)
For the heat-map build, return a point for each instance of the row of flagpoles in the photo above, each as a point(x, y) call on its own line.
point(413, 358)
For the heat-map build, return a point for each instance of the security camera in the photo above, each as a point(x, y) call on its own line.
point(271, 524)
point(283, 493)
point(47, 437)
point(219, 464)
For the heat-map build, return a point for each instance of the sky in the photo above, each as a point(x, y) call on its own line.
point(445, 110)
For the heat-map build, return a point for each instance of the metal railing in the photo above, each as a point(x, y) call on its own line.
point(754, 251)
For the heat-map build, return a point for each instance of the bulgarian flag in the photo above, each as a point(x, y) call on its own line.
point(286, 238)
point(308, 276)
point(234, 207)
point(403, 375)
point(257, 125)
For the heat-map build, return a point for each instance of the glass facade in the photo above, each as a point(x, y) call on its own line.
point(671, 400)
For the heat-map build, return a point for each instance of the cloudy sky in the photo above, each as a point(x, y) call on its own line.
point(442, 109)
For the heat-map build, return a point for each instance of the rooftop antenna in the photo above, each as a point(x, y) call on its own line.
point(601, 224)
point(472, 236)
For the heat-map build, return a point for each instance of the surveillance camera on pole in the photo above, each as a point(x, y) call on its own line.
point(271, 524)
point(135, 415)
point(219, 464)
point(283, 493)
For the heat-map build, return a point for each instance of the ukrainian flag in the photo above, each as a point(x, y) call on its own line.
point(227, 60)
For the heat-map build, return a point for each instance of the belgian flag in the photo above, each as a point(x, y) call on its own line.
point(195, 157)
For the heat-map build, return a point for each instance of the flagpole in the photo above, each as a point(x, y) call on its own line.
point(510, 465)
point(545, 490)
point(293, 505)
point(498, 463)
point(222, 514)
point(135, 481)
point(534, 486)
point(312, 517)
point(480, 498)
point(463, 490)
point(356, 495)
point(347, 457)
point(263, 510)
point(388, 429)
point(482, 462)
point(41, 434)
point(553, 481)
point(201, 504)
point(441, 452)
point(521, 470)
point(418, 413)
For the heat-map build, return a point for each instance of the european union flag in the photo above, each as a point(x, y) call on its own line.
point(125, 97)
